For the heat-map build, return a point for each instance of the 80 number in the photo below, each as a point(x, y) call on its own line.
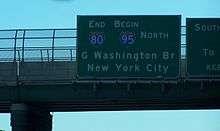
point(96, 38)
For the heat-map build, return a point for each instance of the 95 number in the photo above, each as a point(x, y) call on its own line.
point(127, 38)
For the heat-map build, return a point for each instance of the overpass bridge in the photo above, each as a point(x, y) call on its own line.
point(38, 68)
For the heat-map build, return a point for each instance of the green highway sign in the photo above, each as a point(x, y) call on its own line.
point(203, 47)
point(128, 46)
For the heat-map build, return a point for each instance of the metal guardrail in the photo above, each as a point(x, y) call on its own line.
point(45, 45)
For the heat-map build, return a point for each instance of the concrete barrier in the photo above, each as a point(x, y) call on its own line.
point(8, 73)
point(47, 71)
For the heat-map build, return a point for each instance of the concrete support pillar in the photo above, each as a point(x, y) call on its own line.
point(30, 118)
point(19, 117)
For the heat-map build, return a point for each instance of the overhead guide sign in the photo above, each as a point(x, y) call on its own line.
point(128, 46)
point(203, 47)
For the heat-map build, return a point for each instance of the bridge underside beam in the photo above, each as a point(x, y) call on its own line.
point(121, 96)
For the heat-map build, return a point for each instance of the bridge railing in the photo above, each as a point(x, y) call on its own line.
point(38, 54)
point(37, 45)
